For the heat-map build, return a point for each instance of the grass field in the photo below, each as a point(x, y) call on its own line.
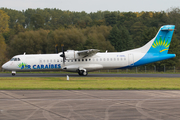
point(85, 83)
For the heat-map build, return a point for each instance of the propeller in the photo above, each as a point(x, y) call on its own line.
point(56, 48)
point(63, 54)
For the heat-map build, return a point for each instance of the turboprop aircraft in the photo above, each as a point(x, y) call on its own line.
point(85, 61)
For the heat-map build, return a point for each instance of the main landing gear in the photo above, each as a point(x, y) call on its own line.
point(82, 72)
point(13, 73)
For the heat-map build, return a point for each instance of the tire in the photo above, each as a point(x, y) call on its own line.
point(85, 73)
point(13, 74)
point(80, 72)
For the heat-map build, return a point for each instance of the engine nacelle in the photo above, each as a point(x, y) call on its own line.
point(71, 54)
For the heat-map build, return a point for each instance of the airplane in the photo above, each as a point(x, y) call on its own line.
point(89, 60)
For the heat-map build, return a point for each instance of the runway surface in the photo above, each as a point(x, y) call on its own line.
point(89, 75)
point(89, 105)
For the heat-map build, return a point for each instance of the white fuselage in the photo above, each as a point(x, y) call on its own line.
point(111, 60)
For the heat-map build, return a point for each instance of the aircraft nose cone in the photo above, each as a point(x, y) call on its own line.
point(4, 66)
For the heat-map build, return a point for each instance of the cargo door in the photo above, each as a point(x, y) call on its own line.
point(130, 59)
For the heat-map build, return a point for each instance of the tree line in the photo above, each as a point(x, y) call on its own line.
point(40, 30)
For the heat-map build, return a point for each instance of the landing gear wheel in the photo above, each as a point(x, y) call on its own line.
point(83, 73)
point(80, 72)
point(13, 74)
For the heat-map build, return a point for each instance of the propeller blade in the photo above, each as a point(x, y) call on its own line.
point(63, 53)
point(56, 48)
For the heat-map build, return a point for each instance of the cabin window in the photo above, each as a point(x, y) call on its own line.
point(44, 61)
point(124, 58)
point(40, 61)
point(75, 60)
point(50, 60)
point(54, 60)
point(57, 60)
point(71, 60)
point(86, 59)
point(107, 59)
point(121, 59)
point(100, 59)
point(96, 59)
point(104, 59)
point(89, 59)
point(82, 59)
point(78, 59)
point(111, 59)
point(118, 59)
point(47, 60)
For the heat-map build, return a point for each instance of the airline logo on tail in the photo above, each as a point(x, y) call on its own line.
point(161, 45)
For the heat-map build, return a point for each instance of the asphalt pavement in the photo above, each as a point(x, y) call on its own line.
point(89, 105)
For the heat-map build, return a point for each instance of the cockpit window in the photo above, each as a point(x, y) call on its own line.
point(15, 59)
point(12, 59)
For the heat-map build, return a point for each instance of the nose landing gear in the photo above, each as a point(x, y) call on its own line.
point(13, 73)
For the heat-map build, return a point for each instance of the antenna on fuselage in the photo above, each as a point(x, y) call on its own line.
point(24, 53)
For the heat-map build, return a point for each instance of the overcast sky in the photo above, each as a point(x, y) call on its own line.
point(93, 5)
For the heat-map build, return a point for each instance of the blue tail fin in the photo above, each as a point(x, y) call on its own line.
point(162, 40)
point(157, 48)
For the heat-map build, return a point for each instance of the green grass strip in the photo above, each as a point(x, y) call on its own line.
point(89, 83)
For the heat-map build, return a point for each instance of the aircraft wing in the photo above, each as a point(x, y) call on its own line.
point(87, 53)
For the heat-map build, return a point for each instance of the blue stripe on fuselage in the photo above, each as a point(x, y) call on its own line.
point(152, 57)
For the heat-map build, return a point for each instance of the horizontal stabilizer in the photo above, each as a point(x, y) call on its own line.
point(168, 28)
